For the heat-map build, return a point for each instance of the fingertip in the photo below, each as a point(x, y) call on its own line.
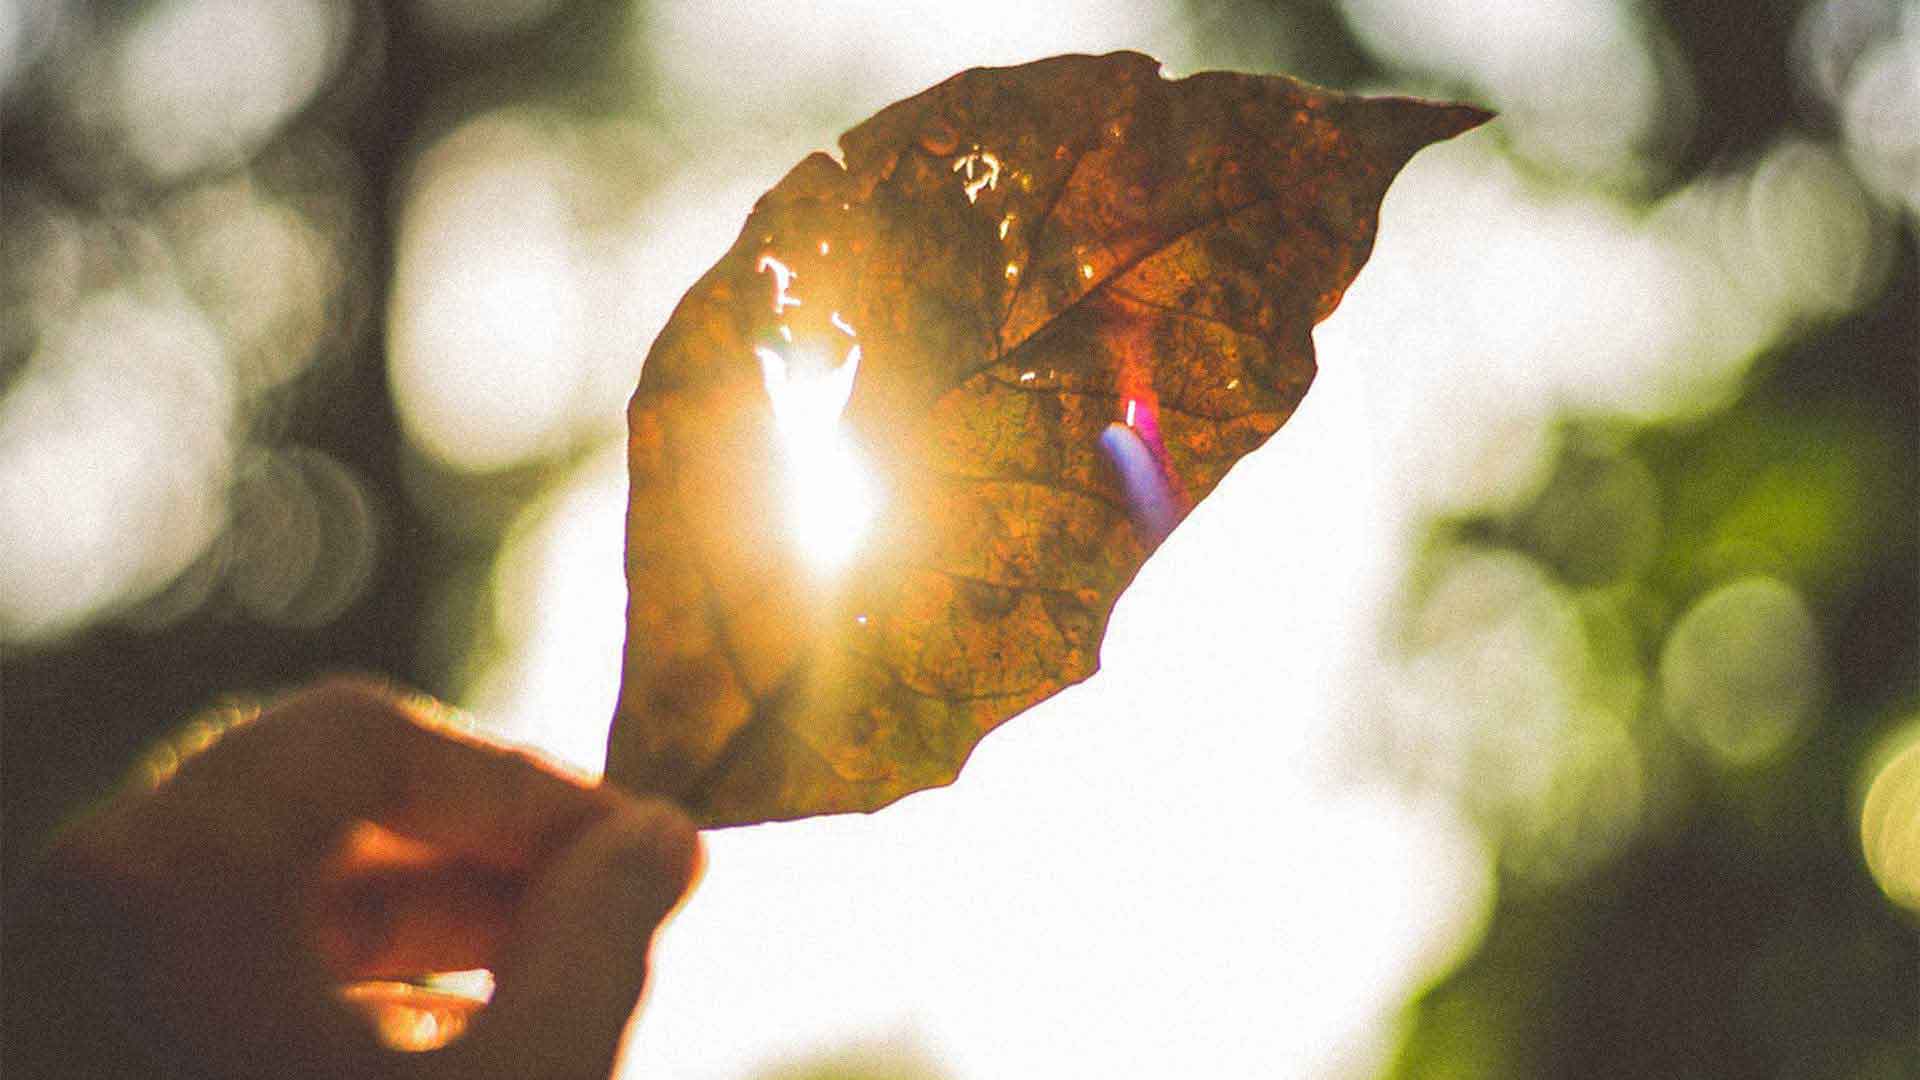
point(577, 967)
point(656, 848)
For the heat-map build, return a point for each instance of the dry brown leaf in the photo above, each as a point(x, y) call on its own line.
point(1034, 317)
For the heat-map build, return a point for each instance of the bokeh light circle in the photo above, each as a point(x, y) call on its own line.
point(1740, 674)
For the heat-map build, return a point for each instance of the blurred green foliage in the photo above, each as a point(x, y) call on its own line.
point(1732, 932)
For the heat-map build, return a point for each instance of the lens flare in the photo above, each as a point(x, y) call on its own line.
point(1136, 452)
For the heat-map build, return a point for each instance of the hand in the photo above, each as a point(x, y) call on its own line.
point(343, 835)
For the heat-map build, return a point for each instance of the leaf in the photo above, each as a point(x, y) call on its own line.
point(1034, 317)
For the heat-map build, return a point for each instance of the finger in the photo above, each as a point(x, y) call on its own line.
point(385, 905)
point(448, 917)
point(349, 750)
point(574, 972)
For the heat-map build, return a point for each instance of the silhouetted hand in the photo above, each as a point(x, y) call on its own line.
point(341, 835)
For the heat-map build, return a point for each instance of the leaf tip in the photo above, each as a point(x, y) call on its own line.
point(1401, 126)
point(1458, 119)
point(1435, 121)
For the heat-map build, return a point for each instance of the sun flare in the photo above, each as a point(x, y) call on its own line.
point(830, 495)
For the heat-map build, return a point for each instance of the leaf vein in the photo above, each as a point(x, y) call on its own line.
point(1108, 501)
point(987, 582)
point(1039, 227)
point(1123, 269)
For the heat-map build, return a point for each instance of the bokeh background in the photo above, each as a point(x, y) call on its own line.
point(1513, 714)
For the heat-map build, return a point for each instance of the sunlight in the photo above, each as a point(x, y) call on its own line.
point(831, 500)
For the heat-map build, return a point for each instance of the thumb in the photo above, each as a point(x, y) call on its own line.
point(571, 978)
